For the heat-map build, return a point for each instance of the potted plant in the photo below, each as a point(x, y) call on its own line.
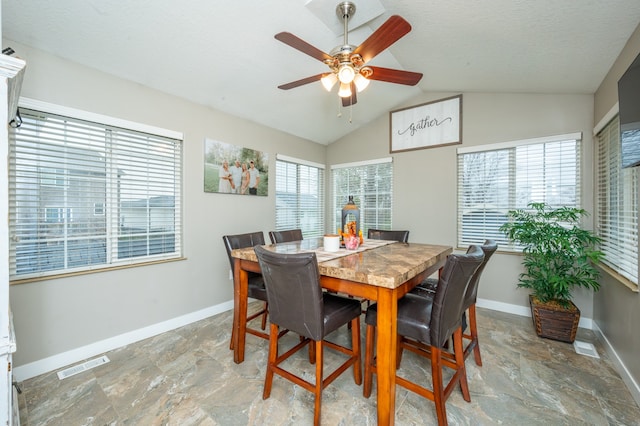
point(558, 257)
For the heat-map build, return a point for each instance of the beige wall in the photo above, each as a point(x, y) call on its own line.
point(55, 316)
point(616, 308)
point(424, 187)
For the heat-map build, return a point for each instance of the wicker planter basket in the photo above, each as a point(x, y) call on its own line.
point(555, 322)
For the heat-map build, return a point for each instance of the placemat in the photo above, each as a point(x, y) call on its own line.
point(324, 256)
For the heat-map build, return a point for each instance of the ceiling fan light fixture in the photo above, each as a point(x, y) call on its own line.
point(345, 90)
point(348, 63)
point(329, 80)
point(346, 73)
point(361, 82)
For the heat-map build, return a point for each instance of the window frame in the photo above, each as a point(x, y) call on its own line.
point(315, 228)
point(111, 233)
point(616, 187)
point(509, 183)
point(372, 170)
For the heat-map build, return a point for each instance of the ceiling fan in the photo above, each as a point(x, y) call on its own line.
point(348, 63)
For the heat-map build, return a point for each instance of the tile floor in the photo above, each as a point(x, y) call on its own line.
point(187, 377)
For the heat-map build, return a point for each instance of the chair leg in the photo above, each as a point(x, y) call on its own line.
point(368, 360)
point(355, 346)
point(264, 316)
point(461, 371)
point(319, 384)
point(233, 335)
point(273, 355)
point(474, 335)
point(438, 389)
point(312, 353)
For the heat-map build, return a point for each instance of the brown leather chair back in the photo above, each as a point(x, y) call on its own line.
point(489, 247)
point(285, 236)
point(389, 235)
point(446, 313)
point(293, 291)
point(232, 242)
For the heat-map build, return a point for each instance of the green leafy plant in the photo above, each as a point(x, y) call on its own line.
point(558, 254)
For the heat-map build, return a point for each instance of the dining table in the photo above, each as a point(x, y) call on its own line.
point(378, 270)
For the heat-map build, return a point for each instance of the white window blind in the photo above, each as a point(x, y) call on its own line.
point(616, 204)
point(86, 195)
point(299, 196)
point(371, 184)
point(494, 179)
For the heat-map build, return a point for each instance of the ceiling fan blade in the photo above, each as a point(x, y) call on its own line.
point(301, 45)
point(395, 76)
point(350, 100)
point(390, 32)
point(301, 82)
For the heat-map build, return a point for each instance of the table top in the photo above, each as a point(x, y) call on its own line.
point(384, 264)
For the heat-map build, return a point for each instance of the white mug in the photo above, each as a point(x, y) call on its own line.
point(331, 242)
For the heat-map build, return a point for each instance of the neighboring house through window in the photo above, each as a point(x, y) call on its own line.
point(90, 192)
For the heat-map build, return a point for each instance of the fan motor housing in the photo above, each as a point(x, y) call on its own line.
point(345, 9)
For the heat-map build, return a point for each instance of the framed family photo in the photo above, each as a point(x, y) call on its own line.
point(427, 125)
point(231, 169)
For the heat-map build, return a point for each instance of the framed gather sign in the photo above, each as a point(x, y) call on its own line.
point(427, 125)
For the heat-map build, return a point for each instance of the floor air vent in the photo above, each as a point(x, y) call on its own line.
point(584, 348)
point(87, 365)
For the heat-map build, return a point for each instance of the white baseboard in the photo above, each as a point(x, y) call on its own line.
point(64, 359)
point(626, 376)
point(523, 311)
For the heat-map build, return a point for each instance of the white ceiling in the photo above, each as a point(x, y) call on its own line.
point(223, 54)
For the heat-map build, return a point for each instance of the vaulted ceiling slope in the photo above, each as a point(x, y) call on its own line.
point(223, 54)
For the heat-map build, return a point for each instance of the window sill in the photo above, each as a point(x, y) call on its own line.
point(619, 278)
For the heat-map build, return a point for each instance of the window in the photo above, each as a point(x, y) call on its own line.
point(57, 215)
point(616, 204)
point(371, 184)
point(85, 195)
point(299, 196)
point(493, 179)
point(98, 209)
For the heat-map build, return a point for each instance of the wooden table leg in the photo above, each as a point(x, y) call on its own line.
point(240, 300)
point(386, 355)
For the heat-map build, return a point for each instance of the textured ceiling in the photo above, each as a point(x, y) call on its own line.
point(223, 54)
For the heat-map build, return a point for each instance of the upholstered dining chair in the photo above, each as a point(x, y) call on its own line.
point(297, 303)
point(431, 322)
point(285, 236)
point(428, 287)
point(256, 283)
point(381, 234)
